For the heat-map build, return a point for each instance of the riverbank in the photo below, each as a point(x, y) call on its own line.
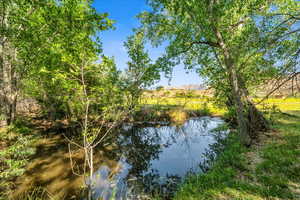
point(267, 170)
point(239, 173)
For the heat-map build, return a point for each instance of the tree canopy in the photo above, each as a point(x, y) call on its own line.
point(229, 42)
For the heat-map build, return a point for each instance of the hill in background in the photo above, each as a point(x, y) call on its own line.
point(287, 88)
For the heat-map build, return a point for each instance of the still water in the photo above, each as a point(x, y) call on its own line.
point(154, 160)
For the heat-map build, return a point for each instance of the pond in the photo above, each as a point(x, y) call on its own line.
point(154, 160)
point(137, 163)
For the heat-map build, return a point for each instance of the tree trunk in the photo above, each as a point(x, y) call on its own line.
point(236, 92)
point(8, 87)
point(242, 120)
point(256, 120)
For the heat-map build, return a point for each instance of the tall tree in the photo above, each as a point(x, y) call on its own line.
point(223, 41)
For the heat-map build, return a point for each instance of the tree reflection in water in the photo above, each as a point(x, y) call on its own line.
point(153, 160)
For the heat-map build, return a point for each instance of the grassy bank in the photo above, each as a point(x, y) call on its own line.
point(268, 170)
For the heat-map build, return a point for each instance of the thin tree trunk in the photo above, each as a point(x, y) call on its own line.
point(8, 77)
point(90, 190)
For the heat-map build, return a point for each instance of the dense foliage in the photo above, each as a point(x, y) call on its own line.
point(229, 43)
point(51, 53)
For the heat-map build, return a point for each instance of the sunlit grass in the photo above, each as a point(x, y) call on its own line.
point(269, 170)
point(285, 104)
point(193, 104)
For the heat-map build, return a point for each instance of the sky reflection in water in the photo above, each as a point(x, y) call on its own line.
point(154, 159)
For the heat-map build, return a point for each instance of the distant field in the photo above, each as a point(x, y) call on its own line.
point(286, 104)
point(185, 103)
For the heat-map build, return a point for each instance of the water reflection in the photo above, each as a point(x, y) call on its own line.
point(153, 160)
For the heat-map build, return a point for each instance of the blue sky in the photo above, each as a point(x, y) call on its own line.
point(124, 13)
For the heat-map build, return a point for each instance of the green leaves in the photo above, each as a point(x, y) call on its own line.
point(246, 27)
point(54, 40)
point(141, 72)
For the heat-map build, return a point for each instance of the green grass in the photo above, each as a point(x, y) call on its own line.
point(16, 147)
point(269, 169)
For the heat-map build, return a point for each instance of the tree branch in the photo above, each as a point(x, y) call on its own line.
point(278, 87)
point(191, 44)
point(209, 43)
